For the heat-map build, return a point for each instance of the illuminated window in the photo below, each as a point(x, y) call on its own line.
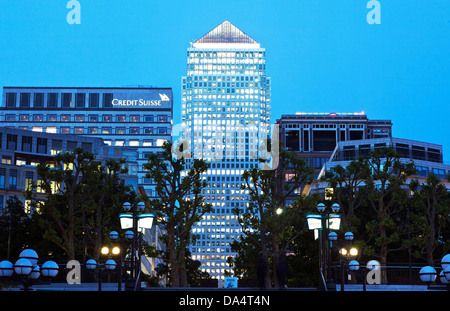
point(79, 118)
point(65, 117)
point(54, 186)
point(38, 117)
point(40, 186)
point(20, 162)
point(106, 130)
point(56, 147)
point(28, 181)
point(329, 193)
point(93, 118)
point(27, 207)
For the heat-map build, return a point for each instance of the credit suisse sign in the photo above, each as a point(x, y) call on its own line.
point(121, 102)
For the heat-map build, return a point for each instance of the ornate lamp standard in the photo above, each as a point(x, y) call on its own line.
point(136, 221)
point(345, 253)
point(27, 269)
point(109, 265)
point(322, 223)
point(116, 251)
point(428, 274)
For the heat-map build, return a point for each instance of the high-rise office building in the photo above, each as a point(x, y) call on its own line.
point(314, 136)
point(427, 158)
point(225, 118)
point(136, 117)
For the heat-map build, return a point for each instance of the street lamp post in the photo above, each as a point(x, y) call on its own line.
point(136, 221)
point(109, 265)
point(116, 251)
point(321, 224)
point(344, 252)
point(27, 269)
point(428, 274)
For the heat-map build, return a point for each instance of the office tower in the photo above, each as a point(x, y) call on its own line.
point(225, 118)
point(137, 118)
point(314, 136)
point(21, 151)
point(111, 122)
point(427, 158)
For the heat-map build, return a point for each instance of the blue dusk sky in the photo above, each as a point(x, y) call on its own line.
point(322, 55)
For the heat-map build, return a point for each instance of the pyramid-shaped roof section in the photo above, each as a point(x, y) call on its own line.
point(226, 34)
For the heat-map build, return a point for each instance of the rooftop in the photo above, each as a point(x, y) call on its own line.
point(226, 34)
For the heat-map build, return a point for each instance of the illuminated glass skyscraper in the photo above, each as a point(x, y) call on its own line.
point(225, 117)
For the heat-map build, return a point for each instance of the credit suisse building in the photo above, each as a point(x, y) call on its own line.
point(121, 116)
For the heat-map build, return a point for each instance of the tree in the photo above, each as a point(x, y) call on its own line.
point(348, 188)
point(14, 225)
point(179, 205)
point(80, 193)
point(104, 192)
point(274, 207)
point(430, 206)
point(386, 196)
point(247, 263)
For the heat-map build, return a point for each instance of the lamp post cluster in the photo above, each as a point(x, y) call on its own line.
point(27, 269)
point(428, 274)
point(109, 265)
point(136, 221)
point(322, 224)
point(346, 252)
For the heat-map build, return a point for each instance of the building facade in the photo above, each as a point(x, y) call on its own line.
point(132, 117)
point(225, 116)
point(314, 136)
point(427, 158)
point(22, 150)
